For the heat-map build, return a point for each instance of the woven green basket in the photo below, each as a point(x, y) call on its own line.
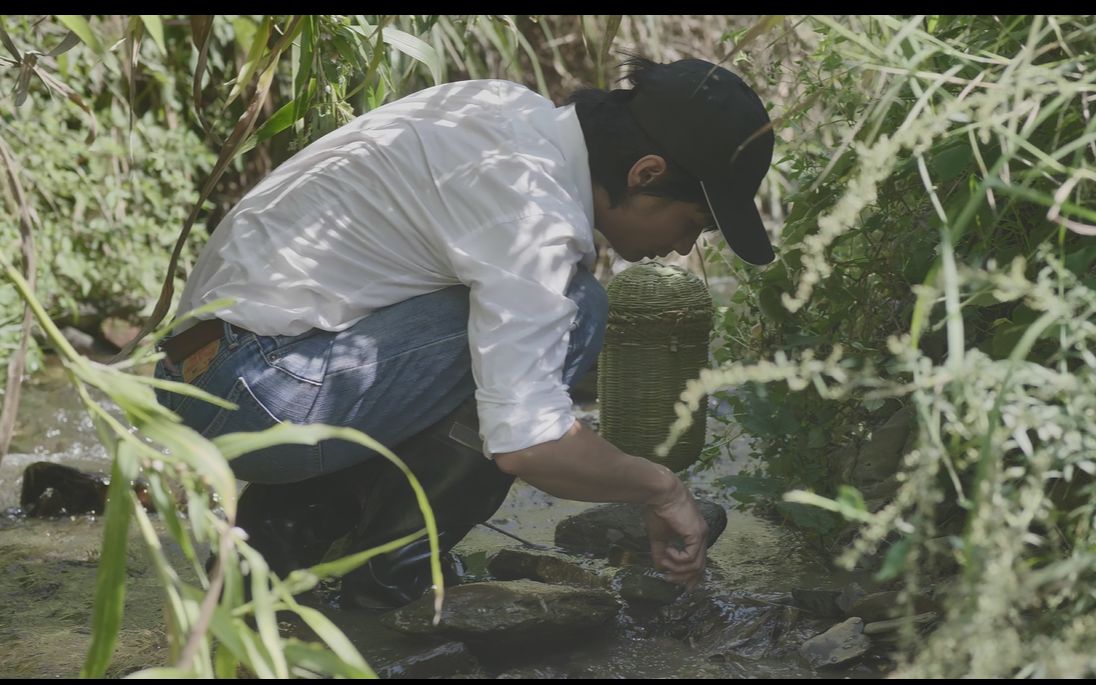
point(656, 340)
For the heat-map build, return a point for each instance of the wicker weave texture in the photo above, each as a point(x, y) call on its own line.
point(656, 340)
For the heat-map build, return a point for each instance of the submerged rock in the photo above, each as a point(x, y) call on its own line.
point(829, 603)
point(503, 613)
point(640, 585)
point(622, 526)
point(441, 660)
point(545, 567)
point(883, 606)
point(895, 624)
point(57, 490)
point(736, 626)
point(843, 642)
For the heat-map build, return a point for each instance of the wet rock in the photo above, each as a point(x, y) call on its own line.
point(883, 606)
point(849, 596)
point(828, 603)
point(545, 567)
point(14, 513)
point(640, 585)
point(878, 494)
point(533, 673)
point(622, 526)
point(820, 602)
point(895, 624)
point(501, 614)
point(844, 462)
point(843, 642)
point(57, 490)
point(881, 457)
point(728, 627)
point(878, 606)
point(440, 660)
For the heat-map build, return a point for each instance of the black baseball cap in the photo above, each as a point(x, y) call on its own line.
point(714, 125)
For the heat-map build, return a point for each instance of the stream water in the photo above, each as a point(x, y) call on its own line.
point(47, 576)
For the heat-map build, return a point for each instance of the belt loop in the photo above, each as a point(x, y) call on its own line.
point(230, 335)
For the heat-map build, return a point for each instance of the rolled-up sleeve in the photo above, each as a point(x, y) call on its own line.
point(519, 326)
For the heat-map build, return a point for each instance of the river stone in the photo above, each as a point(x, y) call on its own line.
point(849, 596)
point(894, 624)
point(622, 526)
point(545, 567)
point(643, 586)
point(441, 660)
point(506, 612)
point(882, 606)
point(843, 642)
point(57, 490)
point(818, 602)
point(51, 489)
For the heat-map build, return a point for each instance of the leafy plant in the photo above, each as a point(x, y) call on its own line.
point(938, 254)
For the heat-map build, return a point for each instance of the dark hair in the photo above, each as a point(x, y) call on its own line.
point(615, 142)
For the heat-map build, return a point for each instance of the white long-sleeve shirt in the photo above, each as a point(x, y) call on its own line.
point(481, 183)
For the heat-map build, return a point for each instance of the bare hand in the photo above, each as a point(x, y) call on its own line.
point(679, 537)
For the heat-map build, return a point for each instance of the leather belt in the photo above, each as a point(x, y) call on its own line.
point(181, 346)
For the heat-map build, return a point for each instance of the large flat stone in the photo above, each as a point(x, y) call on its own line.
point(843, 642)
point(544, 567)
point(505, 612)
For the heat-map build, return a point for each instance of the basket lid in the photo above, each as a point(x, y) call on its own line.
point(653, 289)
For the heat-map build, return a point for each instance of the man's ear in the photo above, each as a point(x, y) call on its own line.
point(645, 171)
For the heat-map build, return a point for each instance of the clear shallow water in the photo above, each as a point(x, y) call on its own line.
point(47, 571)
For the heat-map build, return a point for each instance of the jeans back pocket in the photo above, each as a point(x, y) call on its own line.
point(303, 356)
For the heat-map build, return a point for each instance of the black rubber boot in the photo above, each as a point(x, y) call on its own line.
point(293, 524)
point(464, 488)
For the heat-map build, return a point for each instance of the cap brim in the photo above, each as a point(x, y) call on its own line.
point(740, 223)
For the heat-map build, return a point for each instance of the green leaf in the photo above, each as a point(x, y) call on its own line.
point(225, 662)
point(415, 48)
point(155, 29)
point(278, 122)
point(78, 25)
point(265, 618)
point(285, 117)
point(951, 161)
point(169, 513)
point(850, 499)
point(110, 581)
point(770, 304)
point(347, 660)
point(895, 561)
point(254, 57)
point(186, 389)
point(319, 660)
point(808, 517)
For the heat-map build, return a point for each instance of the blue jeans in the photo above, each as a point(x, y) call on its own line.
point(390, 375)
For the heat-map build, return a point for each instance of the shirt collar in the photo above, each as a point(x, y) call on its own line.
point(574, 151)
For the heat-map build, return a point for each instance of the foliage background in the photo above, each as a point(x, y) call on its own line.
point(931, 200)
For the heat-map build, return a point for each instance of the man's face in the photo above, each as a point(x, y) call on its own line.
point(648, 226)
